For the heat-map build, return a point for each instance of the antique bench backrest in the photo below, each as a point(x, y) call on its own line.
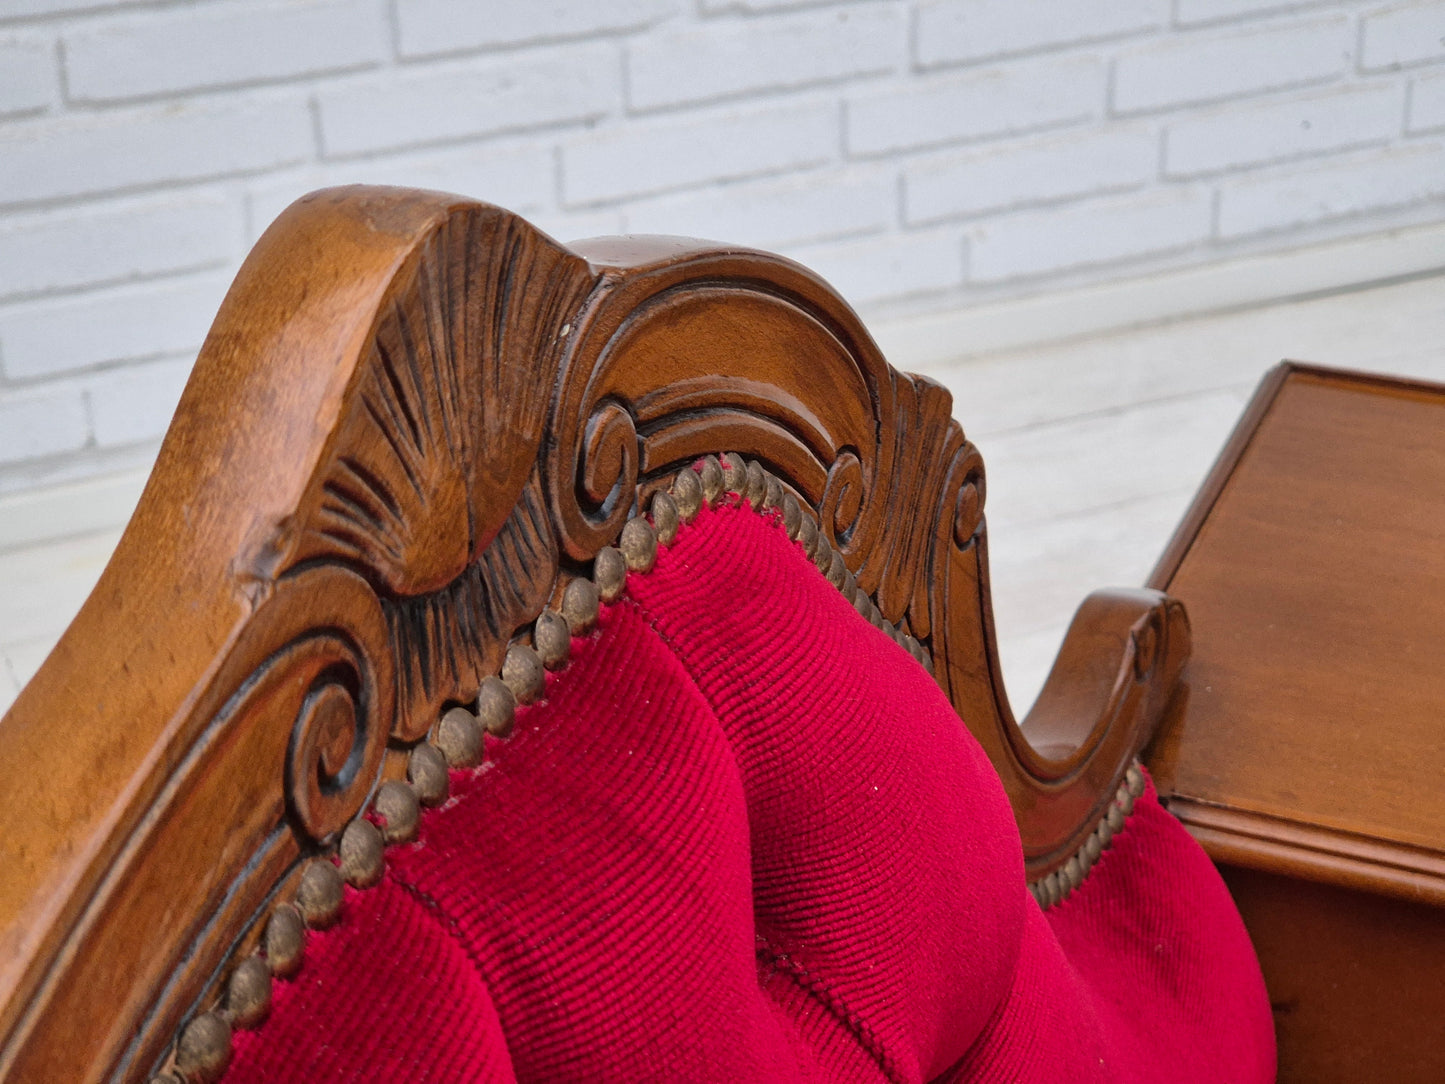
point(414, 421)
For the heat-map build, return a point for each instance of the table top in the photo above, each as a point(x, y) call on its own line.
point(1312, 567)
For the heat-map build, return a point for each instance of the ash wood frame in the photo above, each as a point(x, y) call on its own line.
point(414, 419)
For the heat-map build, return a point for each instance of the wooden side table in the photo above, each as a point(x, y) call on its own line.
point(1309, 754)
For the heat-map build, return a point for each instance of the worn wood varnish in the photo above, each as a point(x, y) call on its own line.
point(1308, 759)
point(413, 418)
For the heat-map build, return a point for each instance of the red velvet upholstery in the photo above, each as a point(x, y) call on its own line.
point(745, 838)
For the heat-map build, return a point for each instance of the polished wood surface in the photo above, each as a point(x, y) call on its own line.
point(1354, 979)
point(414, 420)
point(1316, 590)
point(1307, 756)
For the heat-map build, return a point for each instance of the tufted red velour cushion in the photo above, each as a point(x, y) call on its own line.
point(745, 838)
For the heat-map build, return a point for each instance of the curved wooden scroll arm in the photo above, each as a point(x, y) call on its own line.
point(1116, 671)
point(415, 418)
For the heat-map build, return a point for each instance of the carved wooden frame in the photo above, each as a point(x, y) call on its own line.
point(414, 420)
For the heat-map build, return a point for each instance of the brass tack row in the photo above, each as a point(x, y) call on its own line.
point(203, 1048)
point(1057, 885)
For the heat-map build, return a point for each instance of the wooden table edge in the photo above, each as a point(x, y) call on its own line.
point(1309, 852)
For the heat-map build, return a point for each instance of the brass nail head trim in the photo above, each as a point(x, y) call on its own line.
point(736, 479)
point(792, 516)
point(711, 477)
point(523, 673)
point(665, 517)
point(318, 896)
point(204, 1049)
point(396, 804)
point(459, 738)
point(426, 767)
point(361, 854)
point(638, 545)
point(248, 994)
point(285, 939)
point(609, 570)
point(496, 707)
point(687, 492)
point(553, 638)
point(756, 485)
point(579, 605)
point(772, 493)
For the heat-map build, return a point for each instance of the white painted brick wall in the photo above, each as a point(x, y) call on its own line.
point(1088, 232)
point(1403, 34)
point(922, 154)
point(1316, 193)
point(573, 83)
point(1310, 124)
point(655, 155)
point(1030, 171)
point(703, 63)
point(1427, 104)
point(961, 31)
point(28, 81)
point(1204, 67)
point(221, 45)
point(933, 110)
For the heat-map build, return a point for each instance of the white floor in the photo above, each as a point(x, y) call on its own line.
point(1094, 448)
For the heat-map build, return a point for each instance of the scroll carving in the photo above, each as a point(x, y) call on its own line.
point(404, 445)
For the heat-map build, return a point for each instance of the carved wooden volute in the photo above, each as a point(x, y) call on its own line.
point(414, 419)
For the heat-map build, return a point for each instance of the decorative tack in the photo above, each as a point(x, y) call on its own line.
point(665, 517)
point(318, 896)
point(1073, 871)
point(772, 493)
point(609, 570)
point(553, 638)
point(496, 708)
point(792, 516)
point(1134, 780)
point(638, 545)
point(808, 535)
point(711, 477)
point(204, 1049)
point(459, 738)
point(687, 492)
point(579, 605)
point(1050, 889)
point(822, 554)
point(248, 994)
point(284, 940)
point(1124, 798)
point(522, 672)
point(426, 767)
point(736, 479)
point(756, 485)
point(1115, 817)
point(360, 852)
point(397, 805)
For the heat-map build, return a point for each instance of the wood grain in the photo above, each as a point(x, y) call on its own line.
point(414, 417)
point(1307, 759)
point(1314, 571)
